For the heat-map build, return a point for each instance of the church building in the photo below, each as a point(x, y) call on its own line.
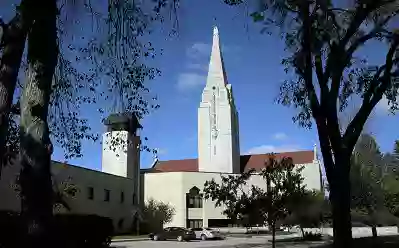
point(121, 188)
point(218, 154)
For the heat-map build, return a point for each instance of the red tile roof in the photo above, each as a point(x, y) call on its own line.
point(247, 162)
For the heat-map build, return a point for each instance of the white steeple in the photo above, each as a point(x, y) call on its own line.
point(216, 72)
point(218, 138)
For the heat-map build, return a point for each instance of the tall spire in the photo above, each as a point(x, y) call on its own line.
point(216, 72)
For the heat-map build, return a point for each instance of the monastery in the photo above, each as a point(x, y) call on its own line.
point(121, 188)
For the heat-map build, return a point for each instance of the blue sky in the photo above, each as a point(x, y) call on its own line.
point(253, 68)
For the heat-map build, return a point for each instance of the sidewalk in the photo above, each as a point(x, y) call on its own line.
point(131, 238)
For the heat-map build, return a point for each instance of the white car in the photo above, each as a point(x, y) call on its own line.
point(207, 233)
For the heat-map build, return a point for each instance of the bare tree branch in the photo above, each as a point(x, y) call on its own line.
point(2, 24)
point(377, 30)
point(372, 97)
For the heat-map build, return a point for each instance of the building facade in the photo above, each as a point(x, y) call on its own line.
point(113, 192)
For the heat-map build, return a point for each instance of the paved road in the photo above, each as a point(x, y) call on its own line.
point(230, 242)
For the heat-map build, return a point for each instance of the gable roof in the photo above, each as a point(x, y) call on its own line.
point(247, 162)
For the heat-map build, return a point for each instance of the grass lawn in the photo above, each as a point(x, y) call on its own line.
point(369, 242)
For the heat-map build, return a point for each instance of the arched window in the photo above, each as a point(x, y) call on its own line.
point(194, 198)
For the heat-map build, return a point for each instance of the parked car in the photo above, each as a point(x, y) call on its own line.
point(207, 233)
point(178, 233)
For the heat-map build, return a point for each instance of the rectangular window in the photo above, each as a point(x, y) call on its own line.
point(106, 195)
point(90, 193)
point(194, 223)
point(194, 201)
point(122, 197)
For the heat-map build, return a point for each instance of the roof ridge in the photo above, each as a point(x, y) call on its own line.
point(258, 154)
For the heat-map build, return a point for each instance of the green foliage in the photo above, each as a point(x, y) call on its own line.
point(366, 176)
point(322, 38)
point(396, 147)
point(309, 236)
point(268, 204)
point(70, 231)
point(86, 231)
point(373, 187)
point(11, 230)
point(309, 210)
point(157, 213)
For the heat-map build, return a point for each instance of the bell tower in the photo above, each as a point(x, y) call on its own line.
point(121, 148)
point(218, 131)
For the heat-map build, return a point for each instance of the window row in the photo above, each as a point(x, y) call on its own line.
point(107, 195)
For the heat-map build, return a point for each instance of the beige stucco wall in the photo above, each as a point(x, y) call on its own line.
point(171, 187)
point(168, 188)
point(82, 178)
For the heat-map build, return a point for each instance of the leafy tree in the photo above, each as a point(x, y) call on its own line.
point(12, 46)
point(156, 213)
point(368, 191)
point(396, 147)
point(270, 204)
point(43, 54)
point(308, 210)
point(391, 181)
point(391, 194)
point(324, 38)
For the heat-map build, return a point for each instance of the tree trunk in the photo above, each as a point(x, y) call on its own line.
point(273, 235)
point(302, 231)
point(340, 201)
point(36, 147)
point(374, 231)
point(14, 37)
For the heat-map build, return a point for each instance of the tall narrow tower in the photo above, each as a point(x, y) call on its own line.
point(218, 131)
point(121, 149)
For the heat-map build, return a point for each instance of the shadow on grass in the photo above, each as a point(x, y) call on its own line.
point(302, 240)
point(369, 242)
point(254, 234)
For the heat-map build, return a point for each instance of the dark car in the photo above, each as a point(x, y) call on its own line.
point(177, 233)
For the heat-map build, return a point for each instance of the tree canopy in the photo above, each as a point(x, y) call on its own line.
point(157, 213)
point(324, 39)
point(266, 204)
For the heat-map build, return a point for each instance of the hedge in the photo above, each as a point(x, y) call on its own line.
point(70, 230)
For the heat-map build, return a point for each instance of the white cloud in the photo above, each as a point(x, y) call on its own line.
point(199, 50)
point(189, 81)
point(197, 53)
point(197, 66)
point(271, 148)
point(280, 136)
point(161, 151)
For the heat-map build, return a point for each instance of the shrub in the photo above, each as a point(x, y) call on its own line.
point(11, 230)
point(70, 230)
point(309, 236)
point(84, 230)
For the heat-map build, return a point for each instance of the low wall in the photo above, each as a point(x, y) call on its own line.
point(358, 232)
point(240, 230)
